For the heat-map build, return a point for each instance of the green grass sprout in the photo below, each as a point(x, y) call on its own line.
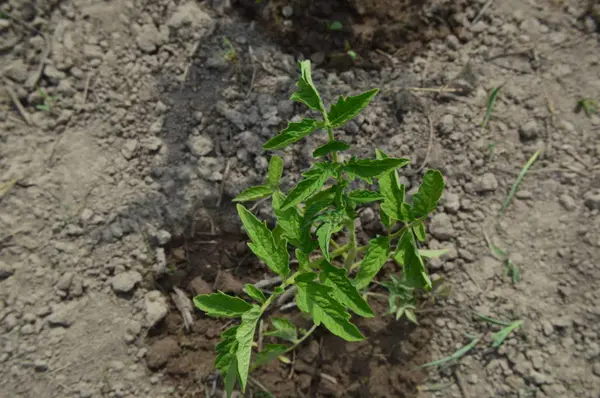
point(516, 184)
point(490, 106)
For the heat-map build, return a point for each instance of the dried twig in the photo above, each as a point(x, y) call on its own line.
point(481, 12)
point(33, 79)
point(18, 105)
point(286, 296)
point(251, 52)
point(444, 89)
point(86, 88)
point(184, 306)
point(222, 186)
point(268, 282)
point(429, 146)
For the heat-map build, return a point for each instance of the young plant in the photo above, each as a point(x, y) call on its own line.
point(49, 101)
point(331, 272)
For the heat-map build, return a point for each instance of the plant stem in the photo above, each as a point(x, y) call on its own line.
point(353, 243)
point(301, 339)
point(284, 284)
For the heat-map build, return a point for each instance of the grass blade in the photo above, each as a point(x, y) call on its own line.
point(524, 171)
point(457, 355)
point(492, 320)
point(499, 337)
point(490, 105)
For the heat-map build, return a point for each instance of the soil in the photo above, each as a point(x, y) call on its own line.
point(126, 127)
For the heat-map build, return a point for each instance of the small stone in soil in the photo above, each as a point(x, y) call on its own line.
point(199, 286)
point(156, 307)
point(126, 281)
point(529, 130)
point(592, 200)
point(160, 352)
point(226, 282)
point(567, 202)
point(5, 270)
point(200, 145)
point(441, 227)
point(486, 183)
point(65, 281)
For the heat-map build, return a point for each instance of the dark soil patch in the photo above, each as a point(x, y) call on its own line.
point(212, 255)
point(325, 31)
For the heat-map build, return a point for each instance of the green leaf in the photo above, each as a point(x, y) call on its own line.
point(335, 25)
point(344, 291)
point(365, 196)
point(347, 108)
point(392, 191)
point(407, 255)
point(231, 376)
point(410, 315)
point(221, 305)
point(332, 146)
point(432, 253)
point(303, 260)
point(377, 255)
point(305, 189)
point(254, 193)
point(290, 221)
point(306, 91)
point(263, 244)
point(306, 277)
point(419, 230)
point(244, 337)
point(269, 353)
point(324, 233)
point(430, 191)
point(226, 350)
point(367, 168)
point(318, 302)
point(275, 171)
point(283, 329)
point(292, 133)
point(255, 293)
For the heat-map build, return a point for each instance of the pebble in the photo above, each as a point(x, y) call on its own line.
point(10, 321)
point(40, 365)
point(529, 130)
point(128, 149)
point(62, 317)
point(163, 237)
point(27, 329)
point(156, 307)
point(486, 183)
point(200, 145)
point(592, 200)
point(447, 124)
point(126, 281)
point(287, 11)
point(149, 38)
point(441, 227)
point(65, 281)
point(5, 270)
point(567, 202)
point(451, 202)
point(191, 15)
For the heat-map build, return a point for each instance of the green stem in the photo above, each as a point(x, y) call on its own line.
point(301, 339)
point(353, 243)
point(284, 284)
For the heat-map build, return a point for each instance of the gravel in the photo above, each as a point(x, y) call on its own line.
point(126, 281)
point(441, 227)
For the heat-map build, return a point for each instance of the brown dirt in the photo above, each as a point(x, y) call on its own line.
point(398, 28)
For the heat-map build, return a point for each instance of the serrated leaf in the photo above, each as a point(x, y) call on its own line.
point(269, 353)
point(411, 316)
point(283, 329)
point(306, 91)
point(274, 254)
point(306, 277)
point(226, 350)
point(255, 293)
point(391, 189)
point(305, 189)
point(377, 255)
point(419, 230)
point(365, 196)
point(244, 337)
point(303, 260)
point(347, 108)
point(368, 168)
point(413, 268)
point(332, 146)
point(221, 305)
point(254, 193)
point(294, 132)
point(432, 253)
point(325, 309)
point(275, 171)
point(324, 233)
point(344, 291)
point(231, 376)
point(430, 191)
point(291, 224)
